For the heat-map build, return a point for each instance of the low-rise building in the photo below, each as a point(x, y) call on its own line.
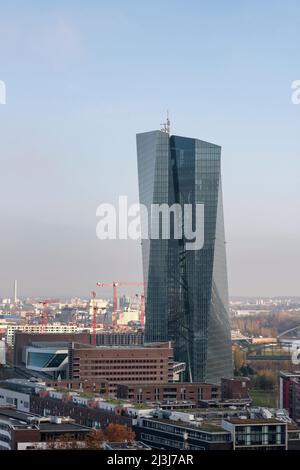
point(289, 394)
point(166, 433)
point(228, 427)
point(90, 412)
point(24, 340)
point(235, 388)
point(86, 385)
point(56, 328)
point(257, 434)
point(24, 431)
point(70, 356)
point(152, 363)
point(168, 392)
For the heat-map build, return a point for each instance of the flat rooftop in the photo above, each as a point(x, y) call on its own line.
point(21, 420)
point(16, 418)
point(285, 373)
point(79, 345)
point(169, 384)
point(49, 344)
point(21, 385)
point(136, 445)
point(205, 426)
point(63, 427)
point(255, 421)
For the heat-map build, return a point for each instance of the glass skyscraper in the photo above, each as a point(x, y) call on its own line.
point(186, 295)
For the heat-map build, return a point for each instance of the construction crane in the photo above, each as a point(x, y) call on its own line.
point(94, 322)
point(115, 285)
point(142, 310)
point(142, 315)
point(45, 312)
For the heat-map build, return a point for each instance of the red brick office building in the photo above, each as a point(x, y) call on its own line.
point(168, 392)
point(151, 363)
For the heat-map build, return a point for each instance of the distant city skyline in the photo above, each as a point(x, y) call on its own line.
point(89, 76)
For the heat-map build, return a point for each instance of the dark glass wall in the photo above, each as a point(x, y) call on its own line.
point(153, 170)
point(187, 293)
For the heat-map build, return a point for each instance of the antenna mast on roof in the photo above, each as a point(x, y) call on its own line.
point(166, 126)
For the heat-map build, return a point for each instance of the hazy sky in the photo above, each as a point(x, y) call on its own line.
point(83, 77)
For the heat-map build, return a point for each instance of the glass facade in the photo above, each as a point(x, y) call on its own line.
point(186, 297)
point(45, 360)
point(260, 435)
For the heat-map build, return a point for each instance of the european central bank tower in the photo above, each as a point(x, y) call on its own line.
point(186, 293)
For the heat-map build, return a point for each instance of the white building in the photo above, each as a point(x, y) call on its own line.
point(55, 328)
point(10, 397)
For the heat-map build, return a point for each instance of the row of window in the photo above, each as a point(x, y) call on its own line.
point(126, 378)
point(76, 361)
point(128, 374)
point(163, 441)
point(216, 437)
point(95, 367)
point(4, 427)
point(4, 438)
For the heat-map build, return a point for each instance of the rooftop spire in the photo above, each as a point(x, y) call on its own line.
point(166, 126)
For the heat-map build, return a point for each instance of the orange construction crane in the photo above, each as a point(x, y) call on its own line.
point(115, 285)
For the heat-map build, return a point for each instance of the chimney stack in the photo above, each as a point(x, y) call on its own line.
point(15, 292)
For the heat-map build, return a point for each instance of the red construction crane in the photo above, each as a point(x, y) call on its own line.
point(45, 312)
point(115, 285)
point(94, 322)
point(142, 315)
point(142, 310)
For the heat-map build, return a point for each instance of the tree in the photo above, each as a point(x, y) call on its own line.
point(118, 433)
point(112, 433)
point(238, 358)
point(246, 370)
point(94, 439)
point(64, 442)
